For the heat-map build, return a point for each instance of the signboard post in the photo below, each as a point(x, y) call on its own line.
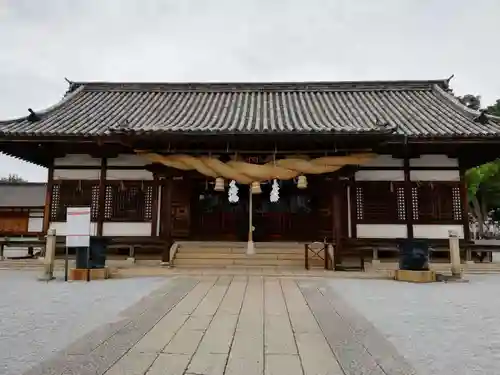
point(77, 232)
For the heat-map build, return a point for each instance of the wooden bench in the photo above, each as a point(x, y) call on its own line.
point(29, 242)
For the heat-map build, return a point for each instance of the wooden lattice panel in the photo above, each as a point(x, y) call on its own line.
point(359, 203)
point(56, 198)
point(401, 206)
point(148, 203)
point(414, 200)
point(94, 206)
point(108, 202)
point(457, 205)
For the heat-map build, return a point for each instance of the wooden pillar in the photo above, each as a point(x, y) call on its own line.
point(102, 196)
point(167, 217)
point(353, 206)
point(464, 202)
point(337, 201)
point(154, 205)
point(48, 198)
point(408, 195)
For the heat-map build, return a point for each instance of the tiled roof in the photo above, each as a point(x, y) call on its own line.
point(23, 194)
point(412, 108)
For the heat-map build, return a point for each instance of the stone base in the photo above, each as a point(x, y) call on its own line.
point(415, 276)
point(80, 274)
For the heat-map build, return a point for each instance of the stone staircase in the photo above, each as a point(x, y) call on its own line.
point(233, 255)
point(445, 268)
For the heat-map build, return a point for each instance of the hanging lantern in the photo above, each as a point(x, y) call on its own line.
point(233, 192)
point(302, 182)
point(219, 184)
point(275, 192)
point(256, 187)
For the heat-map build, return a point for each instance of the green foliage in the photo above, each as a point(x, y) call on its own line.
point(12, 178)
point(494, 109)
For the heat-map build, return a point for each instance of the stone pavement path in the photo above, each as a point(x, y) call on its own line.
point(234, 325)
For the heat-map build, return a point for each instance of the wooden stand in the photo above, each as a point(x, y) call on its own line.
point(415, 276)
point(80, 274)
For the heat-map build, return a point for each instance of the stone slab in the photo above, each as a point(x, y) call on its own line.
point(279, 364)
point(415, 276)
point(207, 364)
point(169, 364)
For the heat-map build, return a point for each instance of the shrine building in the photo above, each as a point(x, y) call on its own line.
point(280, 162)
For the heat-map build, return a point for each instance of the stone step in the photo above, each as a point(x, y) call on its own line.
point(216, 255)
point(237, 250)
point(244, 262)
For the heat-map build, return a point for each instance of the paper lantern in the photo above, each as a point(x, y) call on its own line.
point(302, 182)
point(219, 184)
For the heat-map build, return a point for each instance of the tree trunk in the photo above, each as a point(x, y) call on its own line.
point(478, 213)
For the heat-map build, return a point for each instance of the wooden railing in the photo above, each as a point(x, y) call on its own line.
point(318, 250)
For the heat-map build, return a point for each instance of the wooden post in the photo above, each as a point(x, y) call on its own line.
point(48, 198)
point(408, 195)
point(464, 204)
point(337, 220)
point(167, 217)
point(154, 205)
point(102, 196)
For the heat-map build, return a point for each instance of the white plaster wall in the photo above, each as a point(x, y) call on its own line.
point(379, 175)
point(435, 175)
point(381, 231)
point(77, 159)
point(125, 160)
point(126, 229)
point(434, 160)
point(436, 231)
point(35, 224)
point(384, 161)
point(60, 227)
point(77, 174)
point(128, 174)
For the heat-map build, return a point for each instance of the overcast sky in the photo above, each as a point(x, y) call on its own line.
point(43, 41)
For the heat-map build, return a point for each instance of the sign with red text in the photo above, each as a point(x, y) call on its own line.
point(78, 226)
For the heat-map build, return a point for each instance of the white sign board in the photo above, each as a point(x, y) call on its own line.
point(78, 227)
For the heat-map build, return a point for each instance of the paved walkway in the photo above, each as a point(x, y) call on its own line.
point(234, 325)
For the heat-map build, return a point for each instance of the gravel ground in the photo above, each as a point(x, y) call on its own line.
point(445, 329)
point(37, 318)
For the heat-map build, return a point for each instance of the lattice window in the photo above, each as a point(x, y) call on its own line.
point(129, 201)
point(56, 197)
point(414, 200)
point(359, 203)
point(148, 203)
point(71, 193)
point(108, 203)
point(94, 207)
point(457, 205)
point(437, 202)
point(400, 193)
point(380, 202)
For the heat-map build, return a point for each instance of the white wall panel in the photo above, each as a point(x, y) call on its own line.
point(381, 231)
point(128, 174)
point(379, 175)
point(76, 174)
point(384, 161)
point(434, 160)
point(77, 159)
point(60, 227)
point(126, 229)
point(436, 231)
point(435, 175)
point(126, 160)
point(35, 224)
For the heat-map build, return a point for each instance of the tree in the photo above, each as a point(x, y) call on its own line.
point(12, 178)
point(494, 109)
point(471, 101)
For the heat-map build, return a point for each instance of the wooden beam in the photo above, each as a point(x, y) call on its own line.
point(464, 202)
point(154, 205)
point(102, 197)
point(337, 201)
point(353, 208)
point(166, 216)
point(408, 197)
point(48, 198)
